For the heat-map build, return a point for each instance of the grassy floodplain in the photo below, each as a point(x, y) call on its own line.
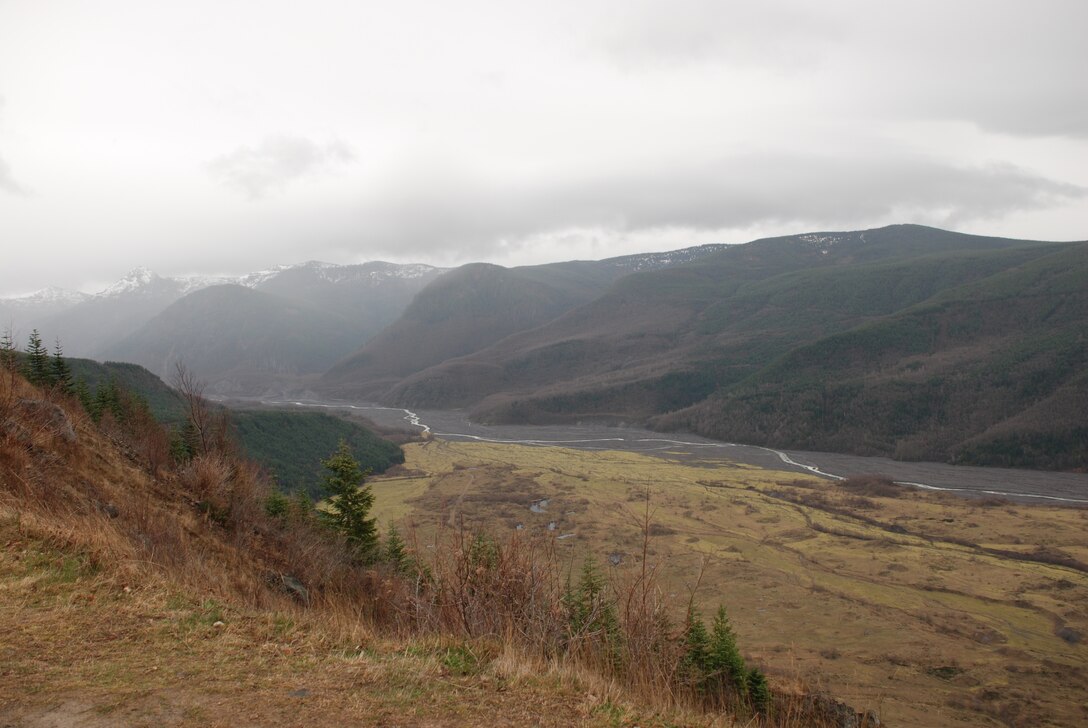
point(929, 608)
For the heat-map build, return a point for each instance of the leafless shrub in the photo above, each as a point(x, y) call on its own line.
point(204, 525)
point(210, 427)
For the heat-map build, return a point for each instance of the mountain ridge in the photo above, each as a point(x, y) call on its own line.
point(657, 344)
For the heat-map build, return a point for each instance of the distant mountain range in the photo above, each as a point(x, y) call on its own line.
point(262, 327)
point(906, 341)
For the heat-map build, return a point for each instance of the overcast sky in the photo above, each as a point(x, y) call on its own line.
point(228, 136)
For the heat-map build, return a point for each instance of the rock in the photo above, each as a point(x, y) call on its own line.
point(289, 584)
point(219, 625)
point(52, 416)
point(825, 710)
point(110, 510)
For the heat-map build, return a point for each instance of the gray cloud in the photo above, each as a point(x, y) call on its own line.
point(645, 33)
point(617, 125)
point(1002, 66)
point(276, 162)
point(435, 212)
point(8, 183)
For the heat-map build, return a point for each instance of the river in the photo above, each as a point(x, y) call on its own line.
point(1036, 486)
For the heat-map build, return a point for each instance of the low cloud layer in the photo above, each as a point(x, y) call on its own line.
point(436, 211)
point(1007, 67)
point(275, 163)
point(8, 183)
point(521, 132)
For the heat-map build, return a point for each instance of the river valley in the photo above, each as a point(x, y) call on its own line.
point(1029, 486)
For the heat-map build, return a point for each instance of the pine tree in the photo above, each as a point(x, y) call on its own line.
point(302, 507)
point(696, 663)
point(592, 614)
point(62, 375)
point(759, 692)
point(726, 661)
point(83, 394)
point(277, 505)
point(396, 553)
point(107, 398)
point(37, 361)
point(350, 502)
point(8, 356)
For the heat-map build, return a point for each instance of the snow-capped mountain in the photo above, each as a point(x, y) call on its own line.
point(135, 280)
point(141, 279)
point(370, 294)
point(281, 322)
point(47, 299)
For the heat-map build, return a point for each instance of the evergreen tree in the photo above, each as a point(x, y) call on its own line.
point(62, 375)
point(302, 507)
point(83, 394)
point(107, 398)
point(37, 369)
point(592, 615)
point(396, 553)
point(8, 356)
point(277, 505)
point(726, 661)
point(759, 692)
point(350, 502)
point(696, 663)
point(179, 448)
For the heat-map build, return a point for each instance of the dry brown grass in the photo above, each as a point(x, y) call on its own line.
point(138, 592)
point(868, 603)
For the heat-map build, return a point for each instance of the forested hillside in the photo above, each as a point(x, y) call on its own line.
point(291, 445)
point(905, 341)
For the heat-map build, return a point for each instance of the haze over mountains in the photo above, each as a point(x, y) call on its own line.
point(905, 341)
point(289, 320)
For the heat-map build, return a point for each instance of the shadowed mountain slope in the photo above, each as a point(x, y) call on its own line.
point(368, 295)
point(993, 371)
point(227, 334)
point(737, 343)
point(476, 305)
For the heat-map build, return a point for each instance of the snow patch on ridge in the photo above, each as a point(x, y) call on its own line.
point(51, 296)
point(134, 280)
point(655, 261)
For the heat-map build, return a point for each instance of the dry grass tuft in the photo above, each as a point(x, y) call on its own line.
point(142, 527)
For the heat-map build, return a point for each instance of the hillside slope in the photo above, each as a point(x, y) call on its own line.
point(464, 311)
point(366, 296)
point(174, 595)
point(89, 326)
point(124, 604)
point(235, 338)
point(164, 402)
point(669, 346)
point(291, 445)
point(994, 371)
point(471, 308)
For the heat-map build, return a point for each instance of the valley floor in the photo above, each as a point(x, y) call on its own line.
point(1029, 486)
point(928, 608)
